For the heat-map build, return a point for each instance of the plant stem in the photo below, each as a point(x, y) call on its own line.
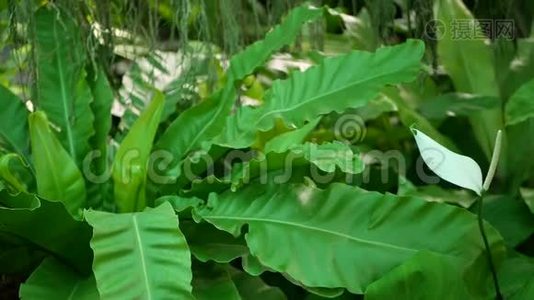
point(498, 294)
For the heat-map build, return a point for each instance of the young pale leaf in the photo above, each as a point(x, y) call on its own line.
point(62, 91)
point(57, 176)
point(13, 131)
point(52, 280)
point(457, 169)
point(130, 164)
point(140, 255)
point(343, 236)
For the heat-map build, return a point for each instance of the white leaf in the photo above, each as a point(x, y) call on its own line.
point(457, 169)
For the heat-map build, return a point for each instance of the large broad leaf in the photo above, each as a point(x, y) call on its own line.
point(140, 255)
point(130, 164)
point(469, 62)
point(343, 236)
point(52, 280)
point(58, 178)
point(425, 276)
point(61, 88)
point(206, 120)
point(47, 225)
point(13, 130)
point(455, 168)
point(338, 83)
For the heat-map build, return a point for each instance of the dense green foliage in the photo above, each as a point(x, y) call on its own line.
point(288, 166)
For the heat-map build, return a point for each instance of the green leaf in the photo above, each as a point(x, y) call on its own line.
point(469, 63)
point(252, 287)
point(52, 280)
point(61, 88)
point(519, 107)
point(64, 182)
point(140, 255)
point(285, 141)
point(425, 276)
point(510, 216)
point(338, 83)
point(209, 243)
point(212, 281)
point(47, 225)
point(131, 160)
point(12, 177)
point(343, 236)
point(328, 156)
point(457, 104)
point(457, 169)
point(204, 121)
point(101, 108)
point(13, 131)
point(516, 274)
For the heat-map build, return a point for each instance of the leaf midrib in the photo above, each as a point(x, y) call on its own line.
point(64, 100)
point(139, 243)
point(325, 94)
point(311, 228)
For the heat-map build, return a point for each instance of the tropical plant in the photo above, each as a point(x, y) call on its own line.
point(246, 178)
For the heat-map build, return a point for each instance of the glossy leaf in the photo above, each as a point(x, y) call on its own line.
point(140, 255)
point(63, 183)
point(52, 280)
point(131, 161)
point(345, 236)
point(61, 88)
point(338, 83)
point(460, 170)
point(13, 131)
